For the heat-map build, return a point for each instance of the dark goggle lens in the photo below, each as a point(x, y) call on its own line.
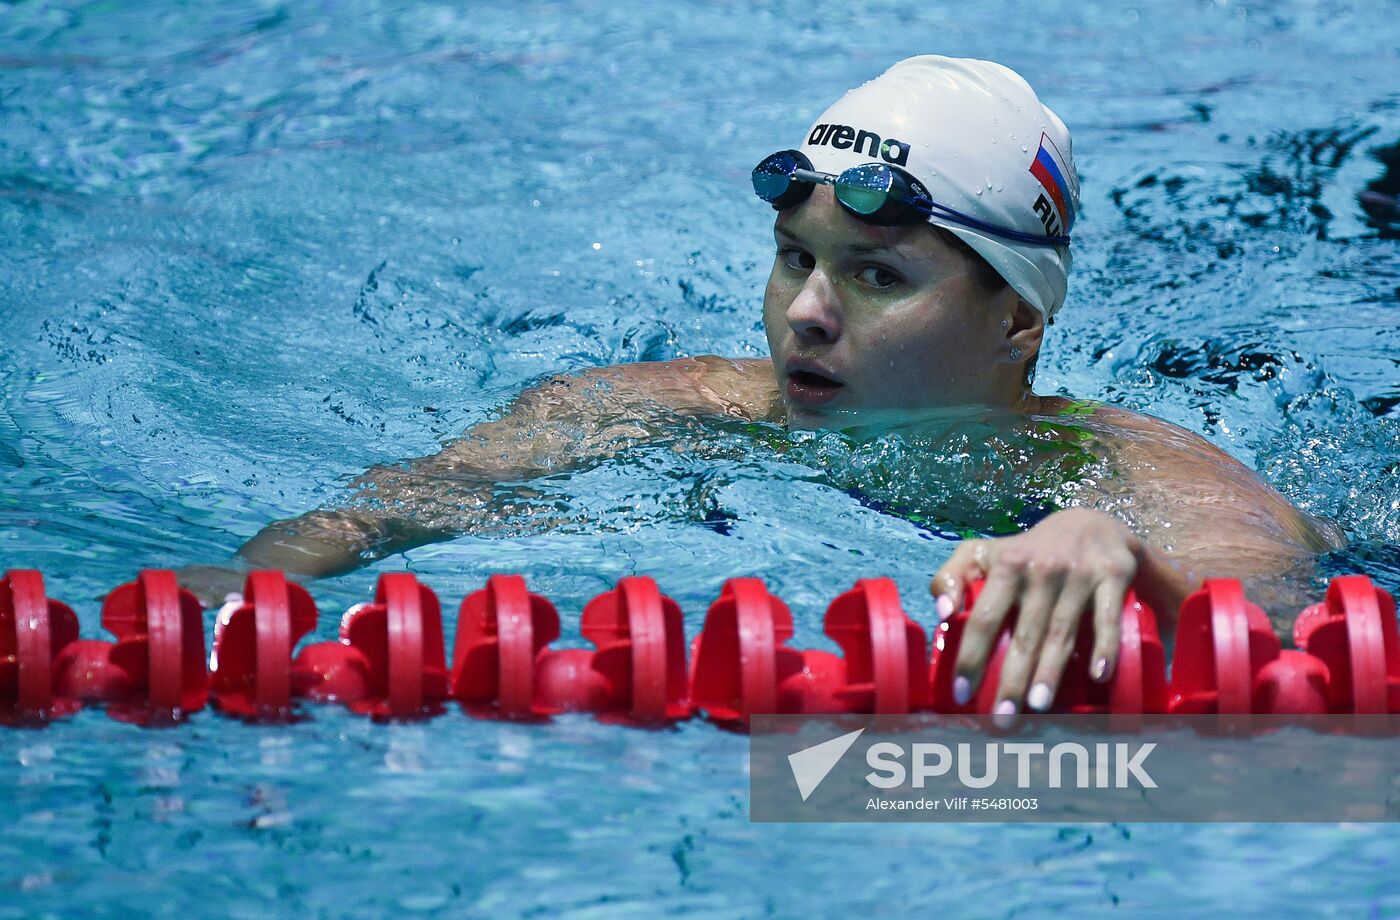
point(865, 189)
point(770, 186)
point(882, 195)
point(773, 179)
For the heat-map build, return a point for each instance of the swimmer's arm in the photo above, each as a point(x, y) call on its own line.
point(562, 424)
point(477, 482)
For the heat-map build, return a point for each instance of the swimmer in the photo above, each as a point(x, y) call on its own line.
point(923, 232)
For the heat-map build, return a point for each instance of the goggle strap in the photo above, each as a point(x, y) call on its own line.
point(952, 215)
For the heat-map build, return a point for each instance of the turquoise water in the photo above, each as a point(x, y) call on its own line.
point(251, 250)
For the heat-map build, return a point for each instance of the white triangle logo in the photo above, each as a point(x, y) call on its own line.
point(811, 765)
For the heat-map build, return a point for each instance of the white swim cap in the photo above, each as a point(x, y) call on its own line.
point(978, 137)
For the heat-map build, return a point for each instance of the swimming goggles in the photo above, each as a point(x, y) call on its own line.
point(875, 193)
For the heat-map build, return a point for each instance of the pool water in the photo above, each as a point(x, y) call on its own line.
point(253, 248)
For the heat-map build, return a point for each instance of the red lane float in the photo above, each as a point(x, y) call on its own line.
point(1229, 661)
point(503, 631)
point(253, 641)
point(34, 631)
point(389, 660)
point(886, 653)
point(636, 672)
point(1223, 643)
point(739, 660)
point(1138, 683)
point(155, 671)
point(741, 666)
point(1352, 634)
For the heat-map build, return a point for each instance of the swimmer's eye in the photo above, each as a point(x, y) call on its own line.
point(878, 277)
point(797, 260)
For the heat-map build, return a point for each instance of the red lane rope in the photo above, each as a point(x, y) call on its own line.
point(389, 660)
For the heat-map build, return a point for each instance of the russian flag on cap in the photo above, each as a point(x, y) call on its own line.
point(1048, 169)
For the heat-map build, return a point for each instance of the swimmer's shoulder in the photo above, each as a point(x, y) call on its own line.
point(1169, 448)
point(1132, 427)
point(1157, 452)
point(708, 384)
point(596, 409)
point(1136, 432)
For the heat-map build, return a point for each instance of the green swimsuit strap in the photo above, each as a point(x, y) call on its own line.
point(1079, 407)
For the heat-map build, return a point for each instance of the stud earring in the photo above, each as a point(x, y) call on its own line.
point(1015, 353)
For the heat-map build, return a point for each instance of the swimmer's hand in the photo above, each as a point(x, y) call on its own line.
point(212, 584)
point(299, 557)
point(1074, 560)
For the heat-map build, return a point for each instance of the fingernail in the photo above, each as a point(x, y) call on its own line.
point(1039, 698)
point(1102, 670)
point(1004, 716)
point(962, 690)
point(945, 607)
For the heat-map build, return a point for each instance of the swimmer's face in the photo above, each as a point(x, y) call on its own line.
point(881, 318)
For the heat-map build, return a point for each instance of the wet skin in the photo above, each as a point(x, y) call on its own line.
point(869, 322)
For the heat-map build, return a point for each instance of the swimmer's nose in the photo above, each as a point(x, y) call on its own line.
point(813, 313)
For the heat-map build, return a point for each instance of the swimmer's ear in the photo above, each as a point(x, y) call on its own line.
point(1026, 332)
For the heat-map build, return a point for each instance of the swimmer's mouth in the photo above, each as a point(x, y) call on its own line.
point(811, 388)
